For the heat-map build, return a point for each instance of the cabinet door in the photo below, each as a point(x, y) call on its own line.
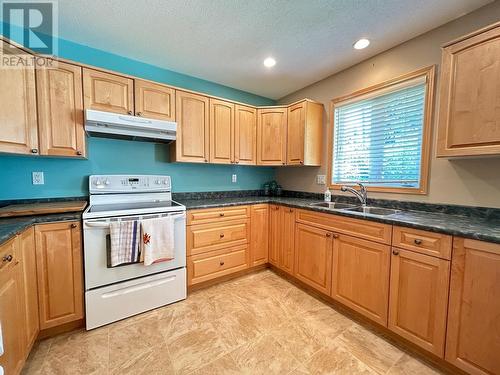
point(361, 276)
point(192, 143)
point(259, 234)
point(154, 101)
point(274, 234)
point(271, 136)
point(59, 271)
point(18, 131)
point(295, 134)
point(419, 298)
point(313, 257)
point(472, 341)
point(221, 132)
point(469, 113)
point(287, 245)
point(60, 110)
point(108, 92)
point(27, 257)
point(11, 310)
point(245, 135)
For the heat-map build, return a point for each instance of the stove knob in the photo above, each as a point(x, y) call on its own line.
point(97, 181)
point(106, 182)
point(157, 182)
point(164, 182)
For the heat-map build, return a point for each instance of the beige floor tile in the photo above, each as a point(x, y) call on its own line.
point(37, 357)
point(336, 360)
point(222, 366)
point(269, 313)
point(265, 355)
point(325, 323)
point(298, 339)
point(196, 348)
point(296, 300)
point(408, 365)
point(238, 328)
point(377, 353)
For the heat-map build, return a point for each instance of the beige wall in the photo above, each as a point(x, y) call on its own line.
point(474, 182)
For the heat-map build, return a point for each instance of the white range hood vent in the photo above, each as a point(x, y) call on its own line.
point(114, 125)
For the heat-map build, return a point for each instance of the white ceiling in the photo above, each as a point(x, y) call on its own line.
point(226, 41)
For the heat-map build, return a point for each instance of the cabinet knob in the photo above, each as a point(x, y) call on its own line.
point(328, 235)
point(139, 114)
point(395, 252)
point(418, 241)
point(283, 163)
point(7, 258)
point(221, 214)
point(221, 262)
point(73, 225)
point(301, 162)
point(130, 113)
point(221, 235)
point(34, 151)
point(206, 160)
point(290, 210)
point(78, 153)
point(335, 235)
point(237, 162)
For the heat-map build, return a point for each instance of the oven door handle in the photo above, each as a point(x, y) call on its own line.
point(97, 224)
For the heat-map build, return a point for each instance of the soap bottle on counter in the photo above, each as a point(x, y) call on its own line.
point(328, 195)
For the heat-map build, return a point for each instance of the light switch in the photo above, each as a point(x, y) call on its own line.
point(321, 179)
point(37, 178)
point(234, 179)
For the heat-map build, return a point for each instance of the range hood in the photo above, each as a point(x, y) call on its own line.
point(115, 125)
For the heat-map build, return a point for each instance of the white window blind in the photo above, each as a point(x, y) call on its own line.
point(378, 137)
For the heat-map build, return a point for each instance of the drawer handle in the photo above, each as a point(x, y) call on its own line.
point(221, 235)
point(290, 210)
point(418, 241)
point(395, 252)
point(221, 262)
point(73, 225)
point(78, 152)
point(221, 214)
point(7, 258)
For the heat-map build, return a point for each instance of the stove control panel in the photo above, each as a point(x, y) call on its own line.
point(99, 184)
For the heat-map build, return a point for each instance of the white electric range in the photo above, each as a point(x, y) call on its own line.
point(114, 293)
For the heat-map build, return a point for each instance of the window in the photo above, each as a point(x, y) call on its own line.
point(381, 135)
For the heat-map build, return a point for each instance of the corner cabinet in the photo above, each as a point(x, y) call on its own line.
point(259, 234)
point(271, 136)
point(282, 237)
point(192, 142)
point(473, 334)
point(304, 133)
point(469, 113)
point(60, 110)
point(18, 115)
point(59, 271)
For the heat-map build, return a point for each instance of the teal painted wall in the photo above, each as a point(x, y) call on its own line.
point(69, 177)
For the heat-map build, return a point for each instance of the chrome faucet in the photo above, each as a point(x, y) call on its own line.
point(361, 194)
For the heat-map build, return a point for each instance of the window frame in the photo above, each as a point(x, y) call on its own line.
point(429, 74)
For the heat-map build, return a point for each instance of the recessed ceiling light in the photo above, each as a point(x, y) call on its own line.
point(362, 43)
point(269, 62)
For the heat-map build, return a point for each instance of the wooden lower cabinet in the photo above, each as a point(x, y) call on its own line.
point(287, 244)
point(274, 234)
point(208, 266)
point(207, 237)
point(11, 308)
point(27, 255)
point(361, 276)
point(59, 271)
point(418, 299)
point(259, 234)
point(473, 334)
point(313, 257)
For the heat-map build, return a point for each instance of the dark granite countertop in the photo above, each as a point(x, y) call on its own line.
point(485, 229)
point(11, 226)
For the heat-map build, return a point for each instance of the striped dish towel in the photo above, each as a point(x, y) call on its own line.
point(125, 236)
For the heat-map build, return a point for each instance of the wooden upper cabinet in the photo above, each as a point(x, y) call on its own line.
point(304, 133)
point(155, 101)
point(313, 257)
point(245, 135)
point(361, 276)
point(108, 92)
point(60, 110)
point(221, 132)
point(473, 333)
point(259, 234)
point(27, 256)
point(18, 116)
point(192, 143)
point(274, 234)
point(271, 136)
point(287, 245)
point(469, 114)
point(419, 299)
point(59, 272)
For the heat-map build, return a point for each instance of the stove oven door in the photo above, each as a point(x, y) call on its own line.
point(96, 243)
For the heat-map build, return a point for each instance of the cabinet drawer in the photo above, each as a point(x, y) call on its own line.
point(215, 215)
point(365, 229)
point(206, 237)
point(421, 241)
point(217, 263)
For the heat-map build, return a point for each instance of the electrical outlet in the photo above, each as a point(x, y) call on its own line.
point(37, 178)
point(321, 179)
point(234, 178)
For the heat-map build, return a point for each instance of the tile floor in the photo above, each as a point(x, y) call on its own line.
point(257, 324)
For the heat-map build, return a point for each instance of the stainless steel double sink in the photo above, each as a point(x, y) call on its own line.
point(338, 206)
